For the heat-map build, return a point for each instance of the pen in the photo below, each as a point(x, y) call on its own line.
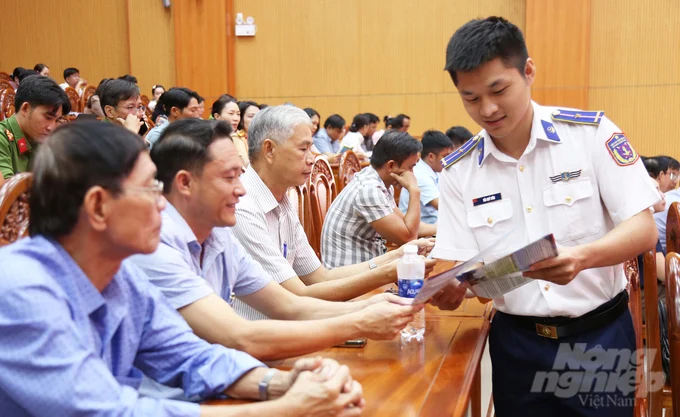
point(285, 250)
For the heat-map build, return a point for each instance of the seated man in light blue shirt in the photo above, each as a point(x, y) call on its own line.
point(80, 323)
point(175, 104)
point(436, 145)
point(327, 140)
point(201, 267)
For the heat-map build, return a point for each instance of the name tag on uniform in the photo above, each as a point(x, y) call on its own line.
point(486, 199)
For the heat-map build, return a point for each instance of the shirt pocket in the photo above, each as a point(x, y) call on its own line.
point(490, 222)
point(572, 210)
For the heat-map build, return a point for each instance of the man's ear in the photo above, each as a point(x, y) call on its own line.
point(110, 112)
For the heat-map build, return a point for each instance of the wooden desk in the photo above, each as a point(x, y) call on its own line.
point(436, 377)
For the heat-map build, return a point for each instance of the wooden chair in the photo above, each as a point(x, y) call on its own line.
point(673, 229)
point(4, 76)
point(672, 281)
point(656, 400)
point(632, 271)
point(7, 103)
point(297, 197)
point(14, 210)
point(322, 192)
point(349, 165)
point(74, 98)
point(87, 93)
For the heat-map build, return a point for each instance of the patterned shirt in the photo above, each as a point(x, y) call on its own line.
point(68, 349)
point(272, 234)
point(347, 236)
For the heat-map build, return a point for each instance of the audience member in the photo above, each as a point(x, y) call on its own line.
point(226, 108)
point(458, 135)
point(72, 79)
point(121, 104)
point(354, 139)
point(248, 110)
point(42, 69)
point(202, 268)
point(327, 139)
point(436, 146)
point(404, 121)
point(77, 312)
point(267, 223)
point(365, 212)
point(39, 103)
point(315, 118)
point(129, 78)
point(373, 121)
point(23, 74)
point(14, 77)
point(378, 134)
point(175, 104)
point(156, 92)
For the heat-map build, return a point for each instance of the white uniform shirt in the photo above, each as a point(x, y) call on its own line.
point(536, 200)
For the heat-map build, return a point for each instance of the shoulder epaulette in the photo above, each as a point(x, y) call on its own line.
point(459, 153)
point(578, 116)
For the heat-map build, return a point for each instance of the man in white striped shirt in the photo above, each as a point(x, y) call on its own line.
point(268, 227)
point(201, 268)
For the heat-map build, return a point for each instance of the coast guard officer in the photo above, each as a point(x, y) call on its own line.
point(539, 170)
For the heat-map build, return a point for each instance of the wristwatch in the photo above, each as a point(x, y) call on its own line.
point(371, 264)
point(264, 384)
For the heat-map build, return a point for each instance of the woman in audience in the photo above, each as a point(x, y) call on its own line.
point(248, 110)
point(42, 69)
point(156, 92)
point(316, 119)
point(14, 77)
point(226, 108)
point(355, 137)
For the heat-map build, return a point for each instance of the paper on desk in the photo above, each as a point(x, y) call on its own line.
point(505, 274)
point(495, 278)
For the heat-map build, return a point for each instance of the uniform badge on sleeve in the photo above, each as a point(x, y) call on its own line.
point(622, 151)
point(23, 146)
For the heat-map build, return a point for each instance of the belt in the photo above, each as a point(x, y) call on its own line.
point(560, 327)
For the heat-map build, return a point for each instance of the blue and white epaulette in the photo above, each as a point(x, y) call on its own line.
point(459, 153)
point(578, 116)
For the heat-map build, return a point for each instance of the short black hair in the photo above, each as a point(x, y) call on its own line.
point(652, 166)
point(221, 103)
point(24, 73)
point(403, 116)
point(77, 157)
point(183, 145)
point(70, 71)
point(112, 92)
point(179, 97)
point(458, 135)
point(434, 141)
point(129, 78)
point(394, 146)
point(372, 118)
point(39, 67)
point(42, 91)
point(15, 74)
point(666, 162)
point(263, 106)
point(482, 40)
point(243, 106)
point(335, 120)
point(394, 123)
point(358, 122)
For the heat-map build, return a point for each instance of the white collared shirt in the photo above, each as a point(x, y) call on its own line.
point(535, 201)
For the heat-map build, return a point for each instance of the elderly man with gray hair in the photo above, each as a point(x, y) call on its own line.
point(279, 145)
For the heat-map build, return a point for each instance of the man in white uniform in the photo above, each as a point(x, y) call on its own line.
point(539, 170)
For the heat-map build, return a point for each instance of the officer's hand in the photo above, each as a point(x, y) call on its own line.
point(560, 270)
point(131, 123)
point(407, 180)
point(450, 297)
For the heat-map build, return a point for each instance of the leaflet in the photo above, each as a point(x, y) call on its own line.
point(495, 278)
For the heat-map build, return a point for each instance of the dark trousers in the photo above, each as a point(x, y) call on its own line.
point(598, 382)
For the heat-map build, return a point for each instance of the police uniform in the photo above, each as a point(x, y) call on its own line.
point(16, 151)
point(577, 179)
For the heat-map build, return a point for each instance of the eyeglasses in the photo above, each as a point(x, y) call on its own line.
point(674, 176)
point(132, 109)
point(156, 189)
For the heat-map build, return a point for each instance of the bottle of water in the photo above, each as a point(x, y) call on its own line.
point(411, 274)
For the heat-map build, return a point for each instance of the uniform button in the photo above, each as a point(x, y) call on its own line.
point(521, 168)
point(547, 287)
point(568, 199)
point(489, 220)
point(530, 209)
